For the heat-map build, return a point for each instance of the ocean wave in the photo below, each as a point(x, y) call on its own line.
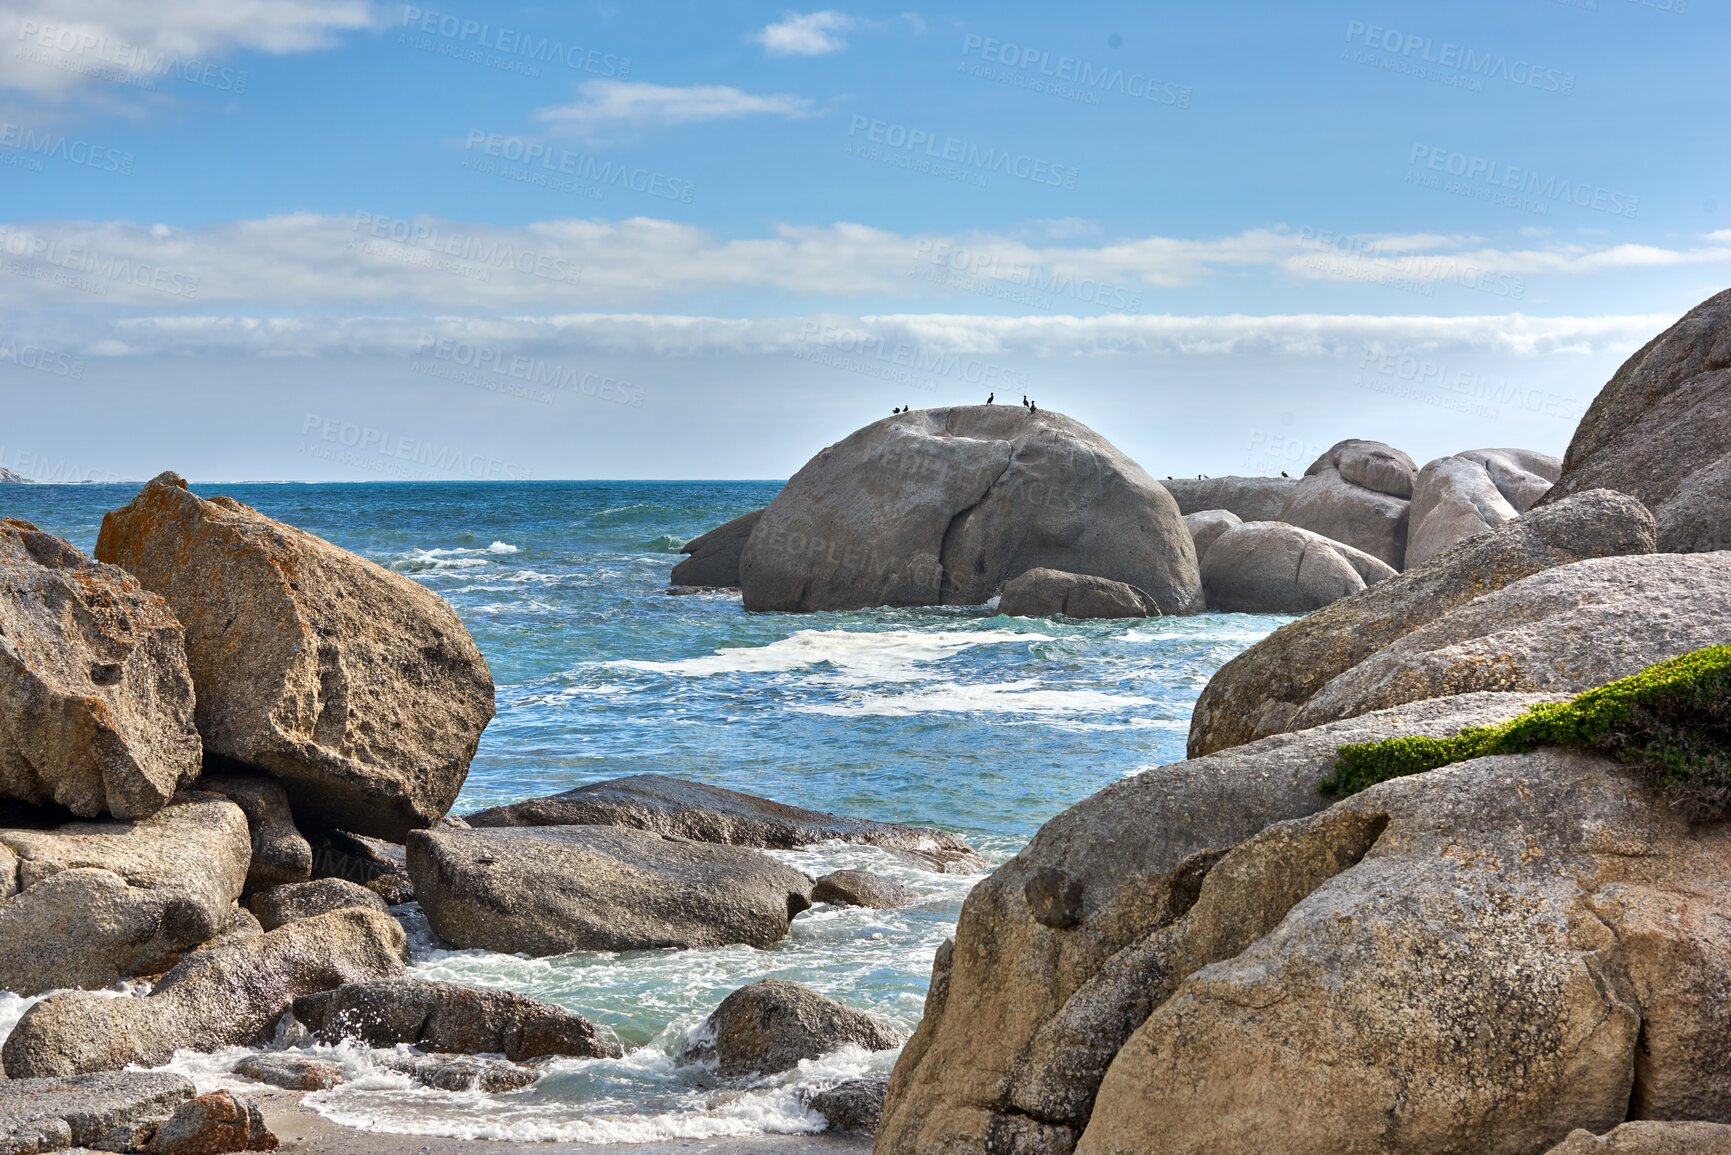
point(666, 543)
point(879, 655)
point(501, 547)
point(999, 698)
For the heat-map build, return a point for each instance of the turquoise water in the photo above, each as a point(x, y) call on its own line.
point(950, 717)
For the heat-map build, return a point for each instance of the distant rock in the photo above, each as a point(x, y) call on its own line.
point(1268, 567)
point(7, 477)
point(862, 888)
point(439, 1016)
point(95, 696)
point(290, 1072)
point(1205, 528)
point(211, 1124)
point(549, 890)
point(280, 854)
point(855, 1105)
point(1649, 1137)
point(707, 813)
point(296, 900)
point(229, 996)
point(356, 687)
point(1046, 593)
point(95, 902)
point(1454, 499)
point(769, 1026)
point(1358, 493)
point(1660, 430)
point(1258, 692)
point(1522, 476)
point(714, 560)
point(942, 506)
point(1247, 498)
point(56, 1114)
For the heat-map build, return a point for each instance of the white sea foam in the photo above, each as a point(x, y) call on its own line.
point(877, 655)
point(501, 547)
point(992, 698)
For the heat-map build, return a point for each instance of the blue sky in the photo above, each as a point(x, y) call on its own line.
point(336, 239)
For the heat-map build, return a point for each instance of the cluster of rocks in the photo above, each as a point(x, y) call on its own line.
point(1520, 953)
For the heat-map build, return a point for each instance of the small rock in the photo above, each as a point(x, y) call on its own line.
point(771, 1025)
point(461, 1072)
point(856, 1105)
point(290, 1072)
point(284, 904)
point(1045, 593)
point(1649, 1137)
point(862, 888)
point(439, 1016)
point(213, 1124)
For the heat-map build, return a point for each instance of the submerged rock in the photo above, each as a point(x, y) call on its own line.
point(941, 506)
point(356, 687)
point(96, 703)
point(772, 1024)
point(461, 1072)
point(290, 1072)
point(714, 560)
point(1359, 492)
point(862, 888)
point(1267, 567)
point(81, 1111)
point(1046, 593)
point(297, 900)
point(1247, 498)
point(548, 890)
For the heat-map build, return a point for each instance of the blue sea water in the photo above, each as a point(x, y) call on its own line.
point(951, 717)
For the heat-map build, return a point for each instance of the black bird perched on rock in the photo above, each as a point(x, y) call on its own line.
point(1283, 474)
point(1032, 408)
point(989, 397)
point(1024, 401)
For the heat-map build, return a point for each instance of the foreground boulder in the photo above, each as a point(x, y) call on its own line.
point(1259, 692)
point(212, 1124)
point(1046, 593)
point(707, 813)
point(100, 901)
point(1359, 492)
point(284, 904)
point(82, 1111)
point(280, 854)
point(1247, 498)
point(438, 1016)
point(1660, 430)
point(548, 890)
point(942, 506)
point(356, 687)
point(772, 1024)
point(714, 560)
point(1267, 567)
point(96, 704)
point(231, 995)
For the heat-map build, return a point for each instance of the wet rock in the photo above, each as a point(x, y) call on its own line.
point(711, 814)
point(280, 855)
point(862, 888)
point(1249, 498)
point(1205, 527)
point(771, 1025)
point(53, 1114)
point(285, 904)
point(461, 1072)
point(290, 1072)
point(356, 687)
point(1267, 567)
point(96, 702)
point(1045, 593)
point(714, 556)
point(855, 1105)
point(439, 1016)
point(1358, 493)
point(213, 1124)
point(549, 890)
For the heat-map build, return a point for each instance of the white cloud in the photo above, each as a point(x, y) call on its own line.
point(810, 34)
point(606, 104)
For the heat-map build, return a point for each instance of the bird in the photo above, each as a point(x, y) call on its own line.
point(1032, 408)
point(1024, 401)
point(1168, 477)
point(989, 397)
point(1283, 474)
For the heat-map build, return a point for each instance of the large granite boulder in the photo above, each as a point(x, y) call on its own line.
point(1560, 631)
point(96, 704)
point(1453, 499)
point(714, 556)
point(941, 506)
point(1522, 476)
point(772, 1024)
point(280, 853)
point(1268, 567)
point(1249, 498)
point(1660, 429)
point(231, 995)
point(1258, 692)
point(1023, 1014)
point(1205, 528)
point(548, 890)
point(707, 813)
point(438, 1016)
point(100, 901)
point(1359, 492)
point(296, 900)
point(356, 687)
point(82, 1111)
point(1046, 593)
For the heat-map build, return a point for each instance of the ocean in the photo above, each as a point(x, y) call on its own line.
point(951, 717)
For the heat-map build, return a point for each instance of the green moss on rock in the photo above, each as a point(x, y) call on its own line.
point(1672, 719)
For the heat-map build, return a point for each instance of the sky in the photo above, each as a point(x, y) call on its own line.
point(337, 239)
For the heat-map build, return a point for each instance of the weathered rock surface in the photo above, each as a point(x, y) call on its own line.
point(297, 900)
point(714, 556)
point(1258, 692)
point(1250, 498)
point(862, 888)
point(101, 901)
point(707, 813)
point(1028, 975)
point(96, 704)
point(280, 854)
point(770, 1025)
point(1557, 632)
point(213, 1124)
point(290, 1072)
point(1453, 500)
point(548, 890)
point(1357, 493)
point(54, 1114)
point(855, 1105)
point(1205, 527)
point(439, 1016)
point(356, 687)
point(1045, 593)
point(1660, 430)
point(1522, 476)
point(1268, 567)
point(941, 506)
point(1649, 1137)
point(229, 996)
